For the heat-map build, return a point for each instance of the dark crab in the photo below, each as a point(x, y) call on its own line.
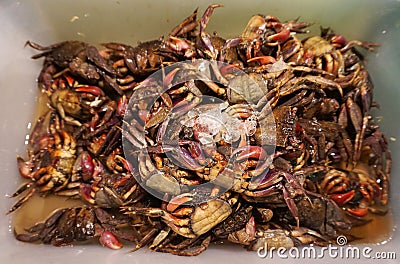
point(49, 165)
point(141, 60)
point(71, 225)
point(80, 58)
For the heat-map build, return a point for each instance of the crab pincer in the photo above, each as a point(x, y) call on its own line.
point(108, 239)
point(250, 152)
point(204, 36)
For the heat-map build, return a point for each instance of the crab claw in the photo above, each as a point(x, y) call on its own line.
point(252, 152)
point(281, 36)
point(169, 77)
point(233, 42)
point(228, 69)
point(84, 166)
point(342, 198)
point(264, 181)
point(127, 165)
point(24, 167)
point(359, 212)
point(178, 44)
point(86, 193)
point(338, 41)
point(205, 37)
point(263, 60)
point(70, 80)
point(176, 201)
point(186, 160)
point(108, 239)
point(122, 105)
point(206, 16)
point(94, 90)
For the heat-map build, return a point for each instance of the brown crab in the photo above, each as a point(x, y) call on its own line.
point(79, 58)
point(70, 225)
point(189, 221)
point(49, 167)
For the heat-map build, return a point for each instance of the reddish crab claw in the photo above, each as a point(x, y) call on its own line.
point(250, 152)
point(122, 105)
point(84, 167)
point(94, 90)
point(280, 37)
point(359, 212)
point(263, 60)
point(181, 46)
point(109, 240)
point(338, 41)
point(342, 198)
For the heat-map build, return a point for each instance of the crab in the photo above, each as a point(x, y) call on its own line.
point(277, 148)
point(79, 58)
point(140, 60)
point(326, 51)
point(265, 32)
point(239, 219)
point(267, 187)
point(319, 51)
point(77, 104)
point(186, 219)
point(53, 172)
point(176, 245)
point(70, 225)
point(112, 191)
point(273, 238)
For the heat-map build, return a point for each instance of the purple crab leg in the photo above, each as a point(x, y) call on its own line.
point(204, 36)
point(187, 160)
point(291, 205)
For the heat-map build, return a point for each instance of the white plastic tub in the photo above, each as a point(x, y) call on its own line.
point(47, 22)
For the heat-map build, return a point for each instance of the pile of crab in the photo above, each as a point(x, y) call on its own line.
point(296, 159)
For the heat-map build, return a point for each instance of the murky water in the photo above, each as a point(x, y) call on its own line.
point(378, 231)
point(38, 208)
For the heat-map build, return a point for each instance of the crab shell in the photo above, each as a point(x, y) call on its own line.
point(202, 218)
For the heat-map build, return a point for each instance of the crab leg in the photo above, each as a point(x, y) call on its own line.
point(204, 36)
point(20, 202)
point(186, 26)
